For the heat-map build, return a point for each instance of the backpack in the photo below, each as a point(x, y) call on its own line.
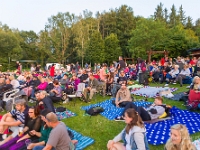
point(60, 109)
point(93, 111)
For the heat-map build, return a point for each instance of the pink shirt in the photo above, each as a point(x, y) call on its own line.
point(102, 74)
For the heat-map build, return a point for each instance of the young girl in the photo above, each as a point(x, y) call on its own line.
point(133, 135)
point(179, 139)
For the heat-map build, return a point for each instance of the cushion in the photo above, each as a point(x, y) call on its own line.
point(163, 115)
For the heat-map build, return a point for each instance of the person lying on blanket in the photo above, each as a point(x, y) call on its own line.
point(154, 111)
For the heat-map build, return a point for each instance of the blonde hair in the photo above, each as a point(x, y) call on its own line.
point(11, 78)
point(185, 144)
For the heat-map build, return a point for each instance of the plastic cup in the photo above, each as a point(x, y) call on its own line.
point(20, 131)
point(28, 142)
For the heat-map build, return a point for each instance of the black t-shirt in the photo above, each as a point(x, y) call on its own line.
point(122, 64)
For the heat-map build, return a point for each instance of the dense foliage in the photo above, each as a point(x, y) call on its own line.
point(85, 38)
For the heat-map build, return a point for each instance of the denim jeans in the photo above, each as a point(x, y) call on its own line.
point(41, 147)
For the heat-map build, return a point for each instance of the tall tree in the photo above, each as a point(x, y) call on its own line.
point(189, 24)
point(59, 28)
point(158, 14)
point(148, 34)
point(181, 15)
point(125, 24)
point(173, 18)
point(112, 48)
point(28, 44)
point(95, 49)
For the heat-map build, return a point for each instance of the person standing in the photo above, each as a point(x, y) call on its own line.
point(121, 64)
point(52, 70)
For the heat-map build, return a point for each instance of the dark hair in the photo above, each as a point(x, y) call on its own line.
point(36, 110)
point(136, 119)
point(55, 82)
point(28, 78)
point(44, 112)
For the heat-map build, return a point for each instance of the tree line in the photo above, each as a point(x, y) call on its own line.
point(102, 37)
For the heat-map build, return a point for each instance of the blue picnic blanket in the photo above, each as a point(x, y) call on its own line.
point(65, 114)
point(83, 141)
point(111, 111)
point(148, 91)
point(158, 133)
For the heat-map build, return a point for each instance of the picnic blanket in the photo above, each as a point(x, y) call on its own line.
point(158, 133)
point(177, 96)
point(65, 114)
point(83, 141)
point(111, 111)
point(135, 86)
point(148, 91)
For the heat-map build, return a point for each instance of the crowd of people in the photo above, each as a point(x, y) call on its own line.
point(40, 124)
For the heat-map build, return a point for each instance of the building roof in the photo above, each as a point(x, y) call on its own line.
point(193, 50)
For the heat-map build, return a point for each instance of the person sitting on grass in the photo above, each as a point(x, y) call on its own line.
point(14, 119)
point(59, 138)
point(154, 111)
point(179, 139)
point(194, 98)
point(123, 96)
point(133, 136)
point(92, 87)
point(56, 92)
point(44, 131)
point(172, 74)
point(33, 123)
point(185, 72)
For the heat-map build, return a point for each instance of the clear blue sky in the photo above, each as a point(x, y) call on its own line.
point(33, 14)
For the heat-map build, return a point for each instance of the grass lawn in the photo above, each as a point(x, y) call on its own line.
point(101, 129)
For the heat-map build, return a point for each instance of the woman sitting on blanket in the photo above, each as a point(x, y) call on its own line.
point(179, 139)
point(133, 135)
point(33, 123)
point(194, 98)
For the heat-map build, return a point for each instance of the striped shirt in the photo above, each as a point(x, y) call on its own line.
point(21, 116)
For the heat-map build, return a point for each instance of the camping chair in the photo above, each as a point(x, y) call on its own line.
point(78, 93)
point(9, 98)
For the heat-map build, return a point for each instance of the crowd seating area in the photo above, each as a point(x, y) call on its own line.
point(52, 89)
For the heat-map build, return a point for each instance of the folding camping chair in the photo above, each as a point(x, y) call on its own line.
point(78, 93)
point(9, 98)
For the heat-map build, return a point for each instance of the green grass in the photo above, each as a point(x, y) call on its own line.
point(102, 129)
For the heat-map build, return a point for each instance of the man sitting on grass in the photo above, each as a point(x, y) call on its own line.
point(123, 96)
point(154, 111)
point(14, 119)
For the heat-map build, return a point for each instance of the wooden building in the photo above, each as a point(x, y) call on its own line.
point(195, 52)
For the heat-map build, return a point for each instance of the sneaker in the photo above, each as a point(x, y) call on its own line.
point(31, 101)
point(119, 118)
point(166, 84)
point(66, 101)
point(174, 83)
point(4, 136)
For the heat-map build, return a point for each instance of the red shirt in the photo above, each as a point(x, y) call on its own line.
point(194, 98)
